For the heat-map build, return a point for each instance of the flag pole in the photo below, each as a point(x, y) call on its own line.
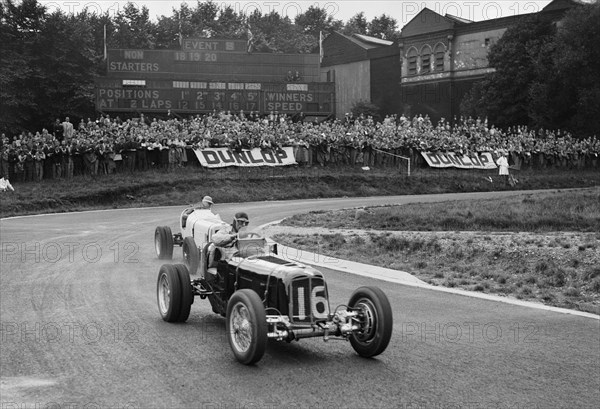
point(250, 39)
point(105, 51)
point(320, 47)
point(180, 33)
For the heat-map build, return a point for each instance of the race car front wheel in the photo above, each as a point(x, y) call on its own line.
point(163, 242)
point(246, 326)
point(191, 255)
point(375, 320)
point(174, 293)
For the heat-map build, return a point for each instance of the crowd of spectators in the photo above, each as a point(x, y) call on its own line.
point(108, 145)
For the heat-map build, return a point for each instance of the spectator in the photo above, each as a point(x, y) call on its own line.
point(58, 130)
point(5, 185)
point(67, 129)
point(502, 163)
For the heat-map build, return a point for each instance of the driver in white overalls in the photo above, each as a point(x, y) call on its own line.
point(226, 238)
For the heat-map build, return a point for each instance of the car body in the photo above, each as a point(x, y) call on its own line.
point(262, 295)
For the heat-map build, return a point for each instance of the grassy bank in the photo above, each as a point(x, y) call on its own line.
point(157, 188)
point(542, 248)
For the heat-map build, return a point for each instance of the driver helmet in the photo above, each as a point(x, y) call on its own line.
point(240, 219)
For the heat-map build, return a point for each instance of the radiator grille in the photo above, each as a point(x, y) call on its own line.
point(309, 301)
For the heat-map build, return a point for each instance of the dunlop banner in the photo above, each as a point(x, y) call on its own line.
point(448, 160)
point(221, 157)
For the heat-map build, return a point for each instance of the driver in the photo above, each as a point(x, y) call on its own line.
point(206, 203)
point(226, 237)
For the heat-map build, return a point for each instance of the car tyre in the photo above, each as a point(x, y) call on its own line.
point(187, 292)
point(163, 242)
point(168, 293)
point(191, 255)
point(246, 326)
point(376, 321)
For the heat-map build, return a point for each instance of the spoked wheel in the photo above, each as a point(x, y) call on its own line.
point(163, 242)
point(191, 255)
point(174, 293)
point(375, 318)
point(246, 326)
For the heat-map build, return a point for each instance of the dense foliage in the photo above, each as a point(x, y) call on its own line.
point(546, 75)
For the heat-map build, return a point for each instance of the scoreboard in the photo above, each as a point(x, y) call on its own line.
point(219, 65)
point(205, 96)
point(213, 74)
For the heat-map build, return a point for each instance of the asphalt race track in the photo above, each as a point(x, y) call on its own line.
point(80, 328)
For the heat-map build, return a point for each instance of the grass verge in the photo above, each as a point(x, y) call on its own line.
point(542, 248)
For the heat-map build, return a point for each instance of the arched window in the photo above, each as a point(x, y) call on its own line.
point(411, 58)
point(425, 60)
point(440, 50)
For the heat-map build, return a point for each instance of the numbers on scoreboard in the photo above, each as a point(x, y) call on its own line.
point(195, 56)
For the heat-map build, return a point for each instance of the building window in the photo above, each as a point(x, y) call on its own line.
point(412, 61)
point(439, 57)
point(426, 60)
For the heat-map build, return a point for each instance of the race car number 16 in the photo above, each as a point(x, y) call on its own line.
point(319, 307)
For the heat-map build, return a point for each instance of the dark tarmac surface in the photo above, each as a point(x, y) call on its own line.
point(80, 326)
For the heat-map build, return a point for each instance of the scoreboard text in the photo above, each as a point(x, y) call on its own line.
point(219, 96)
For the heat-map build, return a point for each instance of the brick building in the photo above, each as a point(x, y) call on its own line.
point(427, 71)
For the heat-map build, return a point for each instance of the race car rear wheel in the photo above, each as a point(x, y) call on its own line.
point(187, 292)
point(191, 255)
point(163, 242)
point(168, 293)
point(246, 326)
point(375, 319)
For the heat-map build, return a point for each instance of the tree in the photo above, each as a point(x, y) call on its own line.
point(230, 24)
point(356, 25)
point(134, 28)
point(384, 27)
point(546, 75)
point(203, 20)
point(65, 67)
point(313, 22)
point(316, 20)
point(49, 65)
point(503, 96)
point(276, 34)
point(576, 78)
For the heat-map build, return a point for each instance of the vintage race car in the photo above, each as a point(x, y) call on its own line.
point(197, 227)
point(262, 295)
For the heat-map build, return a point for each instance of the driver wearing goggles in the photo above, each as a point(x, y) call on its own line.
point(226, 237)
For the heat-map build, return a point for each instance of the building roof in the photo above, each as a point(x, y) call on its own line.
point(341, 49)
point(373, 40)
point(459, 20)
point(427, 21)
point(563, 4)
